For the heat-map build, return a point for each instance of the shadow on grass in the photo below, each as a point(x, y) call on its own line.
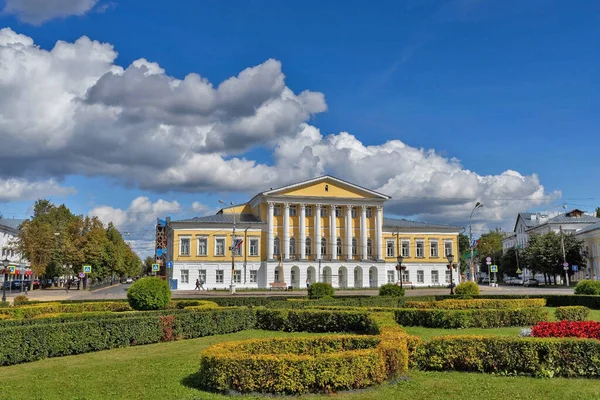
point(193, 381)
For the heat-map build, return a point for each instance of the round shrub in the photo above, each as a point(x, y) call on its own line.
point(20, 299)
point(467, 289)
point(150, 293)
point(319, 290)
point(392, 290)
point(588, 286)
point(572, 313)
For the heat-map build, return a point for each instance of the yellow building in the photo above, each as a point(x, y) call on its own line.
point(591, 245)
point(324, 229)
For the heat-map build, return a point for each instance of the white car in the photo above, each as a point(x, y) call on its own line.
point(129, 280)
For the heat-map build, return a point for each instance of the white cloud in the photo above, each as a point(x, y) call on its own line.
point(36, 12)
point(20, 189)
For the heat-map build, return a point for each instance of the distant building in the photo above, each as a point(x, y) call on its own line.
point(9, 232)
point(591, 245)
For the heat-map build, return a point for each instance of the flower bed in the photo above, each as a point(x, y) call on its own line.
point(304, 365)
point(476, 318)
point(476, 304)
point(578, 329)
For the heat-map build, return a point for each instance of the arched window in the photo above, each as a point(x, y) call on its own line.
point(308, 245)
point(292, 247)
point(338, 247)
point(276, 247)
point(354, 247)
point(323, 246)
point(369, 247)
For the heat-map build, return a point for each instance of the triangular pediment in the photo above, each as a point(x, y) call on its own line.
point(326, 186)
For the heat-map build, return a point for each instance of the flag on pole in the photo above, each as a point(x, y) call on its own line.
point(238, 243)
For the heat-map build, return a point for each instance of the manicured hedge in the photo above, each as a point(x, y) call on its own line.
point(303, 365)
point(30, 311)
point(476, 318)
point(36, 341)
point(476, 303)
point(511, 356)
point(373, 301)
point(588, 286)
point(315, 321)
point(572, 313)
point(592, 302)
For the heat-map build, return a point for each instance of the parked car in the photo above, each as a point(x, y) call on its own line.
point(510, 280)
point(485, 281)
point(518, 281)
point(129, 280)
point(531, 282)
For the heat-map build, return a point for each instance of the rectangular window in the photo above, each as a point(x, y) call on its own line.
point(323, 212)
point(237, 276)
point(184, 246)
point(433, 248)
point(405, 276)
point(293, 211)
point(390, 276)
point(354, 247)
point(435, 278)
point(185, 276)
point(420, 249)
point(308, 211)
point(202, 275)
point(254, 247)
point(447, 276)
point(405, 248)
point(389, 248)
point(253, 276)
point(369, 212)
point(354, 212)
point(338, 211)
point(220, 247)
point(420, 277)
point(219, 276)
point(202, 246)
point(447, 248)
point(277, 209)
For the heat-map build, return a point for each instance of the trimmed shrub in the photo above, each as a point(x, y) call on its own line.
point(572, 313)
point(371, 301)
point(150, 293)
point(319, 290)
point(33, 310)
point(4, 304)
point(579, 329)
point(511, 356)
point(467, 289)
point(476, 318)
point(392, 290)
point(588, 286)
point(20, 299)
point(592, 302)
point(315, 321)
point(468, 304)
point(303, 365)
point(196, 304)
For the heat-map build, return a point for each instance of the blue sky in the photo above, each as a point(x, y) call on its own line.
point(498, 85)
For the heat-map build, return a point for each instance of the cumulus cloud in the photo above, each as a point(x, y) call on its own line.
point(36, 12)
point(20, 189)
point(72, 110)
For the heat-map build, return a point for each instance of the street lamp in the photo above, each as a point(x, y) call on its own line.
point(232, 248)
point(5, 263)
point(450, 258)
point(400, 268)
point(477, 206)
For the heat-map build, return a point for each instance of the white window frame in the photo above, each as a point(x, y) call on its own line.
point(369, 212)
point(432, 247)
point(447, 251)
point(277, 210)
point(421, 247)
point(293, 210)
point(220, 276)
point(323, 212)
point(253, 276)
point(323, 246)
point(391, 276)
point(420, 276)
point(405, 254)
point(237, 276)
point(354, 246)
point(185, 275)
point(202, 275)
point(354, 212)
point(338, 212)
point(405, 276)
point(389, 245)
point(448, 276)
point(217, 239)
point(369, 247)
point(308, 246)
point(308, 211)
point(293, 247)
point(199, 240)
point(435, 273)
point(250, 246)
point(339, 245)
point(276, 246)
point(189, 240)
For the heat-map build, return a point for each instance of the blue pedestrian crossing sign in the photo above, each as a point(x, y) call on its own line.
point(575, 268)
point(87, 269)
point(11, 269)
point(155, 267)
point(169, 264)
point(493, 268)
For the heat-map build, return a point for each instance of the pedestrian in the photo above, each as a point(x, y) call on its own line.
point(307, 283)
point(67, 284)
point(198, 285)
point(202, 284)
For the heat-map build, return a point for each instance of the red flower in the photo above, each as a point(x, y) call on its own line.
point(580, 329)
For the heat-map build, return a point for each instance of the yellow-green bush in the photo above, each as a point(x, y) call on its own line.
point(202, 305)
point(572, 313)
point(32, 310)
point(468, 304)
point(474, 318)
point(304, 365)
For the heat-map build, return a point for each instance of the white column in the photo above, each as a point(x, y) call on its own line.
point(302, 233)
point(317, 243)
point(333, 233)
point(286, 231)
point(379, 231)
point(270, 230)
point(363, 232)
point(348, 230)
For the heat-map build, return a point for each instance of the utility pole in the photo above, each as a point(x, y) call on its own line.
point(565, 265)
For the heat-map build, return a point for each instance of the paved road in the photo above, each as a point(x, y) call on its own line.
point(119, 291)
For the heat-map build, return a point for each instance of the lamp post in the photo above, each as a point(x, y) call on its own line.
point(450, 258)
point(477, 206)
point(5, 263)
point(232, 248)
point(400, 268)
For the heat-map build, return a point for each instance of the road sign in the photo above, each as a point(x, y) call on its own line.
point(488, 262)
point(87, 269)
point(519, 271)
point(155, 267)
point(11, 269)
point(575, 267)
point(82, 275)
point(488, 259)
point(494, 268)
point(169, 264)
point(566, 264)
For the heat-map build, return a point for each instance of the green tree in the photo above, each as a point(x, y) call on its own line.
point(490, 245)
point(463, 248)
point(597, 212)
point(148, 264)
point(544, 254)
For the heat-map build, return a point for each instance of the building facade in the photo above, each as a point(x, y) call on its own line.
point(320, 230)
point(591, 245)
point(9, 232)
